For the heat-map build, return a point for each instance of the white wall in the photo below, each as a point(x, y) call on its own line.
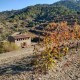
point(28, 42)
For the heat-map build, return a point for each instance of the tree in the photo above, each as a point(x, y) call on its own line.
point(76, 32)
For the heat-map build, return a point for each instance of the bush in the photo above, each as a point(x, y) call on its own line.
point(45, 60)
point(7, 47)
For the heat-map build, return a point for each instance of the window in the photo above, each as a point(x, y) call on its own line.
point(17, 39)
point(28, 38)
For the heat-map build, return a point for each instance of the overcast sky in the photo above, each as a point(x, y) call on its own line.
point(19, 4)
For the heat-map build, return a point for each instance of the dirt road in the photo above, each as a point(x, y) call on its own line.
point(10, 56)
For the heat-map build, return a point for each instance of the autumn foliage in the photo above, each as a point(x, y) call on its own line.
point(56, 44)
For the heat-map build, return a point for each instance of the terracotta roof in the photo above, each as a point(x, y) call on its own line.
point(21, 36)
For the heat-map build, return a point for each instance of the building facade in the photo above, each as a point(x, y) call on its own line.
point(20, 40)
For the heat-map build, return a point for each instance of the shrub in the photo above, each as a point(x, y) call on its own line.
point(7, 47)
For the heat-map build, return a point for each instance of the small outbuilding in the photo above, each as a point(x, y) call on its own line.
point(21, 40)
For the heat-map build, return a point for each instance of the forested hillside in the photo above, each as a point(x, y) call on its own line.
point(44, 11)
point(17, 20)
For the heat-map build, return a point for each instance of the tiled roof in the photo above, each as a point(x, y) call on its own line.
point(21, 36)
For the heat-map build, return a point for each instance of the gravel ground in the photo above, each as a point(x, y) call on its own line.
point(11, 56)
point(68, 68)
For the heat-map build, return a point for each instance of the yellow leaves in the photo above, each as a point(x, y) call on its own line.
point(53, 44)
point(7, 46)
point(55, 51)
point(45, 61)
point(76, 31)
point(65, 50)
point(63, 24)
point(52, 24)
point(76, 27)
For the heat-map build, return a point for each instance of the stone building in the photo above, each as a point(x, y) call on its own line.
point(21, 40)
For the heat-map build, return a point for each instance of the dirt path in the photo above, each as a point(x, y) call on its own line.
point(66, 69)
point(10, 56)
point(16, 66)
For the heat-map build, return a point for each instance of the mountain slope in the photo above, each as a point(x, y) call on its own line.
point(44, 11)
point(71, 4)
point(6, 14)
point(47, 12)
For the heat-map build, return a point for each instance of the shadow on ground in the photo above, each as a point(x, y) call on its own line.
point(17, 67)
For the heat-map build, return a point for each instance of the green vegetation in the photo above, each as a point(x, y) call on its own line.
point(43, 12)
point(20, 20)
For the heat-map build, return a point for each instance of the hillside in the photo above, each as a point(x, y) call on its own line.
point(19, 68)
point(45, 44)
point(5, 14)
point(31, 16)
point(44, 11)
point(70, 4)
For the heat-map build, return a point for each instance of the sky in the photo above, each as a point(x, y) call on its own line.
point(19, 4)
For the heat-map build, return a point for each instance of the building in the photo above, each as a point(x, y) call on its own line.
point(21, 40)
